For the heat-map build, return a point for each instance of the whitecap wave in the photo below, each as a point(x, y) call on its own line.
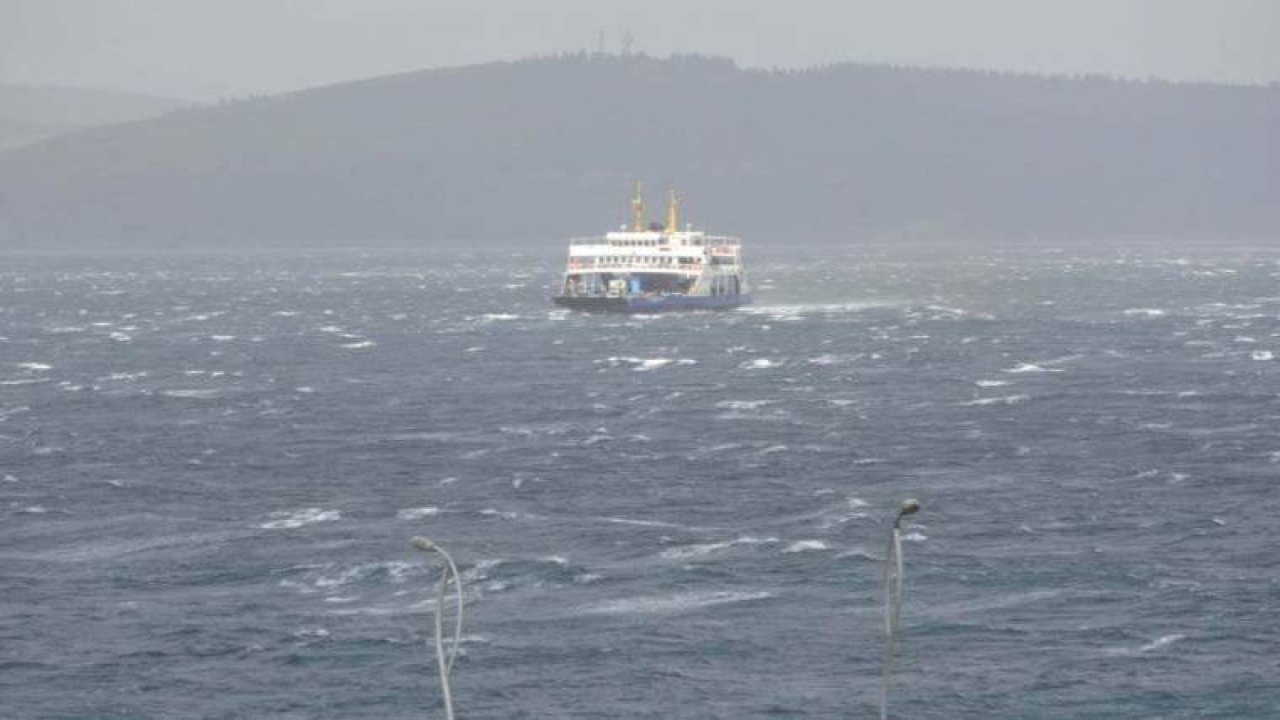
point(1004, 400)
point(191, 394)
point(685, 552)
point(640, 523)
point(1031, 368)
point(806, 546)
point(417, 513)
point(1161, 642)
point(676, 603)
point(393, 571)
point(640, 364)
point(783, 311)
point(285, 519)
point(850, 512)
point(653, 363)
point(743, 404)
point(126, 376)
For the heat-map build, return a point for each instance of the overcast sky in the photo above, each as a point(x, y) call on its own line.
point(207, 49)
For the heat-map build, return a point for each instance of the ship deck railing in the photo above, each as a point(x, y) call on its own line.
point(661, 242)
point(586, 266)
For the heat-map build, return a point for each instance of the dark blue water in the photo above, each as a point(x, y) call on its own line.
point(210, 469)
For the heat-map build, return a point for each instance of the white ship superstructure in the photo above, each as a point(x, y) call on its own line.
point(654, 267)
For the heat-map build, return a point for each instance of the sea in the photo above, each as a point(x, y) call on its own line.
point(212, 466)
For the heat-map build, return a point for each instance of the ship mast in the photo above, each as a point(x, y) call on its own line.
point(637, 209)
point(673, 211)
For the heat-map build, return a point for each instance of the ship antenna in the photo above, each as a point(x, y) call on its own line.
point(637, 209)
point(893, 599)
point(444, 664)
point(673, 211)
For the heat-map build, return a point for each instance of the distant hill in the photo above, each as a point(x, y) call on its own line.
point(29, 114)
point(538, 149)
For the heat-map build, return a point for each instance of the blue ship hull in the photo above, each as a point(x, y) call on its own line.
point(650, 303)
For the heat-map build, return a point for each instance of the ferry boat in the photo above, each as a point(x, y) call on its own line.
point(653, 268)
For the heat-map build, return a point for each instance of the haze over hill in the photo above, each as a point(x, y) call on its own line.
point(29, 114)
point(538, 149)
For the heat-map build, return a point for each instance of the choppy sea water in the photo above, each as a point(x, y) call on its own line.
point(210, 469)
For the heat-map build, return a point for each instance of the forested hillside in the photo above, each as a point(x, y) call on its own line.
point(542, 148)
point(29, 114)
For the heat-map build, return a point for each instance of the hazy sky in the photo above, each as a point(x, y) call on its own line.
point(206, 49)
